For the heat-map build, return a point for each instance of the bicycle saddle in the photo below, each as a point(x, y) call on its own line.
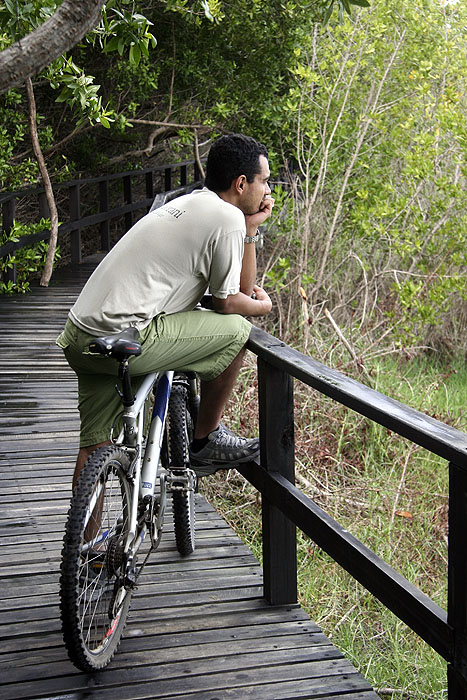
point(121, 345)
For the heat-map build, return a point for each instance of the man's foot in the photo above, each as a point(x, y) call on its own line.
point(223, 451)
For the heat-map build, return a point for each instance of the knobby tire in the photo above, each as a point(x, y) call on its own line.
point(180, 429)
point(93, 602)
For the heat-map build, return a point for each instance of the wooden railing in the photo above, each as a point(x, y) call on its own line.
point(284, 507)
point(92, 202)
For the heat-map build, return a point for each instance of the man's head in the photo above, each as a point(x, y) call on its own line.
point(232, 156)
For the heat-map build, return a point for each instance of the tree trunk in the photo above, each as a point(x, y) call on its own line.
point(70, 22)
point(47, 272)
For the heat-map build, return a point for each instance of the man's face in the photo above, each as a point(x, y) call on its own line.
point(255, 191)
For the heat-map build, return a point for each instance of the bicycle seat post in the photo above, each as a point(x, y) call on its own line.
point(126, 394)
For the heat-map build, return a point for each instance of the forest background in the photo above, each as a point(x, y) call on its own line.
point(364, 114)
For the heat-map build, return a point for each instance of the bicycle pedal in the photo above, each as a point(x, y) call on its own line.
point(181, 480)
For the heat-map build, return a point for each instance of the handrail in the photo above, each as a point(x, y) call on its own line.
point(435, 436)
point(6, 196)
point(185, 173)
point(284, 506)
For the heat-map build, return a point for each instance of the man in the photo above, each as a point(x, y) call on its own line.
point(153, 279)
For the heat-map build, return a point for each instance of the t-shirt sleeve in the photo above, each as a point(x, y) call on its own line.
point(226, 264)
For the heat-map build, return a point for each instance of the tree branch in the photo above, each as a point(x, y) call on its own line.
point(71, 21)
point(165, 130)
point(47, 272)
point(197, 157)
point(151, 122)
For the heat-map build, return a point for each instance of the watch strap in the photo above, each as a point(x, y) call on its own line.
point(253, 239)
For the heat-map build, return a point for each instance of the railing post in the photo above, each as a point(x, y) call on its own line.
point(8, 220)
point(128, 200)
point(277, 454)
point(457, 582)
point(183, 175)
point(74, 196)
point(196, 172)
point(104, 207)
point(167, 179)
point(149, 178)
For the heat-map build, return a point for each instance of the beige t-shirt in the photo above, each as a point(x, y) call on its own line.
point(165, 263)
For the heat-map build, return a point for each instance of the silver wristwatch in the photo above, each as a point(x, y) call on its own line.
point(253, 239)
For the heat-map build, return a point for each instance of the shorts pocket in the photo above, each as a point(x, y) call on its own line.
point(68, 336)
point(62, 341)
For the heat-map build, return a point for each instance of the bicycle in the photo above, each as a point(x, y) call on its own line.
point(119, 498)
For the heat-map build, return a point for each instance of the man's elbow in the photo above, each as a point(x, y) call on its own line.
point(224, 306)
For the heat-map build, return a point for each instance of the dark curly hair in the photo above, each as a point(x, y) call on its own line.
point(231, 156)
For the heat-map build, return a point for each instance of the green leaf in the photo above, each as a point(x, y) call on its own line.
point(135, 54)
point(144, 47)
point(345, 4)
point(111, 45)
point(207, 10)
point(328, 13)
point(63, 96)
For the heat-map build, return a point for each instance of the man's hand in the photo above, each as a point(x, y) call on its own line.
point(263, 297)
point(255, 220)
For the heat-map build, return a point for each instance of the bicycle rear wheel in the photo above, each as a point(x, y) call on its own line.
point(93, 600)
point(180, 427)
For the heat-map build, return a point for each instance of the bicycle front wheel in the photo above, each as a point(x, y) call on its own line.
point(94, 602)
point(183, 499)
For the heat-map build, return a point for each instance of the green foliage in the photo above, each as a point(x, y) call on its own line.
point(375, 123)
point(29, 260)
point(195, 10)
point(125, 29)
point(18, 18)
point(277, 275)
point(342, 6)
point(14, 129)
point(79, 92)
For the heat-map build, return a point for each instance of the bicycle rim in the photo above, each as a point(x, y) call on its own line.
point(183, 502)
point(94, 603)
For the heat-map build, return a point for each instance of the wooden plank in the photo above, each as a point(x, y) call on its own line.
point(457, 582)
point(216, 674)
point(288, 633)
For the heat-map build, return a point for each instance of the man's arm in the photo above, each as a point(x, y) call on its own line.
point(248, 273)
point(243, 304)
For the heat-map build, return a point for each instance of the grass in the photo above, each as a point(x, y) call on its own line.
point(388, 492)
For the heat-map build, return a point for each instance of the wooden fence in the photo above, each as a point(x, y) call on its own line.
point(285, 507)
point(92, 202)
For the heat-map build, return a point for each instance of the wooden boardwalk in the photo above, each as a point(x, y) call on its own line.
point(198, 627)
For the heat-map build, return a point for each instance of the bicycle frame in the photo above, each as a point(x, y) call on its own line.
point(144, 472)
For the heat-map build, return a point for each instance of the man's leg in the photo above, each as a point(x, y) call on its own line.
point(214, 395)
point(213, 345)
point(214, 447)
point(83, 454)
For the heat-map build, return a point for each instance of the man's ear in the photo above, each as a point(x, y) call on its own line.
point(239, 184)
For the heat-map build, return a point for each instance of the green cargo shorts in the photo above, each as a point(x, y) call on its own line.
point(201, 341)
